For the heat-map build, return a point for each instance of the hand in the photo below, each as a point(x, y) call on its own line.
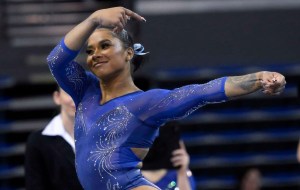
point(180, 157)
point(272, 83)
point(115, 18)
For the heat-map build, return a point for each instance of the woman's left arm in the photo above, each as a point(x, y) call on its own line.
point(271, 83)
point(162, 106)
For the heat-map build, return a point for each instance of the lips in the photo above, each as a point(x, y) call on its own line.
point(100, 63)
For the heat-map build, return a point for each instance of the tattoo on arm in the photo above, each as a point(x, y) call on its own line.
point(245, 82)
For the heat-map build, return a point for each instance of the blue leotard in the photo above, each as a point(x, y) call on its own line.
point(105, 134)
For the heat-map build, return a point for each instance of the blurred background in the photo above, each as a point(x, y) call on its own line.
point(190, 41)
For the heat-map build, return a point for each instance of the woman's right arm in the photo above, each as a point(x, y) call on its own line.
point(69, 74)
point(113, 17)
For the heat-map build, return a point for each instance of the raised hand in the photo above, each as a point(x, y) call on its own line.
point(180, 157)
point(115, 18)
point(272, 83)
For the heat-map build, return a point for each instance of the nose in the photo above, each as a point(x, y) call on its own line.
point(97, 54)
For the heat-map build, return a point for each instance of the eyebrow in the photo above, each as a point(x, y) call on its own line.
point(102, 41)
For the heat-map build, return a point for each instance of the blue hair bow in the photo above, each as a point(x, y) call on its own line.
point(139, 49)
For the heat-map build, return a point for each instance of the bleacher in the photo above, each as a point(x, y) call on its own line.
point(223, 140)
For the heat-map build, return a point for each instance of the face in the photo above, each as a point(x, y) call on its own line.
point(66, 103)
point(106, 56)
point(252, 180)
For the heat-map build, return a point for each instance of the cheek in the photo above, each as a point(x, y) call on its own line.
point(119, 60)
point(89, 61)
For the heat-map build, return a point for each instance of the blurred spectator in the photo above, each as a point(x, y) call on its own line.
point(50, 157)
point(167, 163)
point(250, 180)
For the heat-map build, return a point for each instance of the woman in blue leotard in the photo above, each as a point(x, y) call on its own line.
point(115, 121)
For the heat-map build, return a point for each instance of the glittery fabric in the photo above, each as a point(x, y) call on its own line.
point(105, 134)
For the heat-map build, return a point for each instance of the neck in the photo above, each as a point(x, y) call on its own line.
point(115, 87)
point(68, 123)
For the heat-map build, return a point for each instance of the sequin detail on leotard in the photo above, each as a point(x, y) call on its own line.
point(183, 93)
point(113, 126)
point(75, 77)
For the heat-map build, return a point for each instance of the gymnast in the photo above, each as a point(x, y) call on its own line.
point(116, 122)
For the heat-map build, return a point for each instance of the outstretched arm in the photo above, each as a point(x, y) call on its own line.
point(166, 105)
point(113, 17)
point(271, 83)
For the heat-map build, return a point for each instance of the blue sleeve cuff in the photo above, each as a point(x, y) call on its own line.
point(224, 79)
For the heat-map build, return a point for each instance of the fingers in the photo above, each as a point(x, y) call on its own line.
point(115, 18)
point(180, 158)
point(121, 23)
point(273, 83)
point(177, 162)
point(118, 27)
point(126, 15)
point(275, 89)
point(181, 145)
point(273, 77)
point(123, 19)
point(134, 15)
point(178, 152)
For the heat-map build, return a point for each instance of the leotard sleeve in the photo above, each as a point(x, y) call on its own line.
point(161, 106)
point(70, 75)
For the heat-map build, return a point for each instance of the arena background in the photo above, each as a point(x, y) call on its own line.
point(190, 41)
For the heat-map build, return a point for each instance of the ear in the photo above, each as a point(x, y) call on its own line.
point(56, 97)
point(130, 54)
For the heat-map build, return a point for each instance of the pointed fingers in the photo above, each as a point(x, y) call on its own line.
point(134, 15)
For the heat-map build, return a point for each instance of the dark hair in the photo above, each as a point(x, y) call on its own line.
point(128, 42)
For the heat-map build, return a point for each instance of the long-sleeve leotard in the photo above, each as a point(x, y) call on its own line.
point(106, 133)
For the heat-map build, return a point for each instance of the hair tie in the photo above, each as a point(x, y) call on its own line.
point(139, 49)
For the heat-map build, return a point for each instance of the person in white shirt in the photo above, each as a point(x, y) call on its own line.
point(50, 152)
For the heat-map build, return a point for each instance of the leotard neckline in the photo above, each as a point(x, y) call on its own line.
point(122, 96)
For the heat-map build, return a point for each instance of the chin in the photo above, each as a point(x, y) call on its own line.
point(72, 113)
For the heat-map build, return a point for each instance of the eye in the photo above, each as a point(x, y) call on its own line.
point(105, 45)
point(89, 51)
